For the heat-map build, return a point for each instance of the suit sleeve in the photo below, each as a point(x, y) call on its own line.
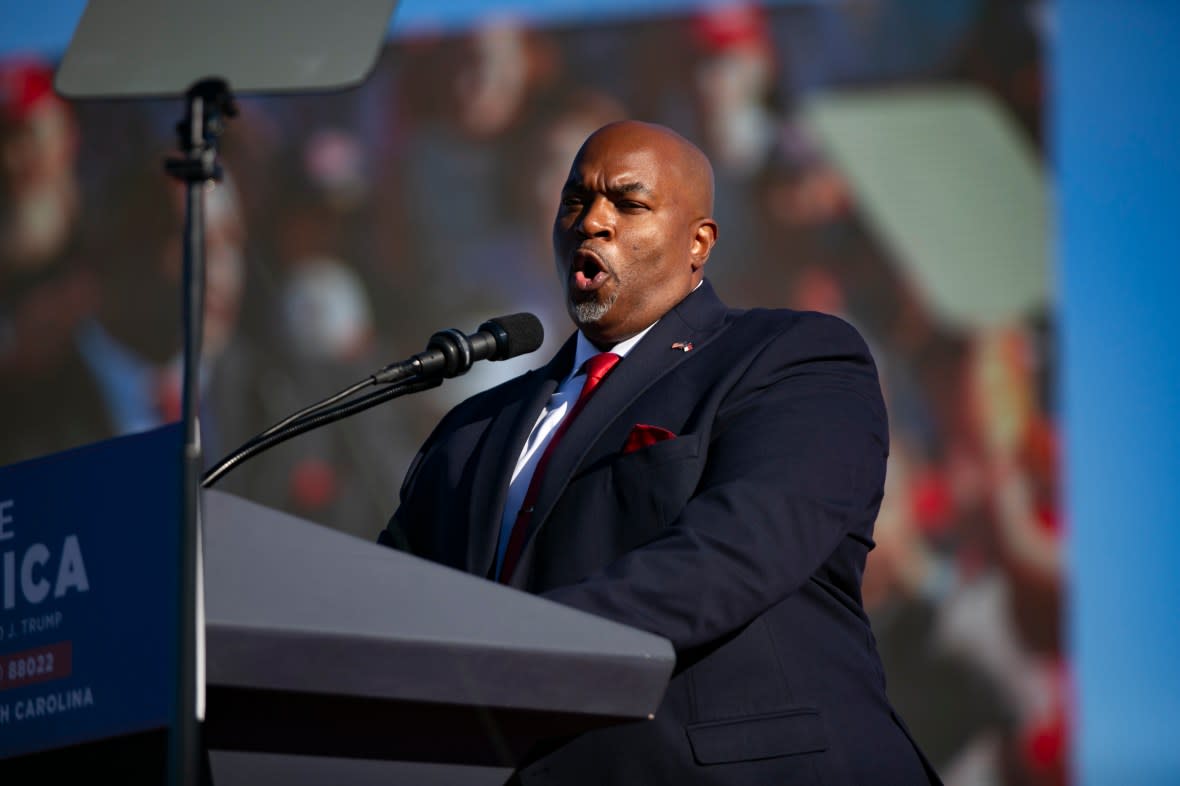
point(408, 527)
point(795, 464)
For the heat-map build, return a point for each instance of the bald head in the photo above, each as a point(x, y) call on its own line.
point(634, 228)
point(678, 155)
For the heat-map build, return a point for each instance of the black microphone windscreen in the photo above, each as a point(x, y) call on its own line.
point(525, 333)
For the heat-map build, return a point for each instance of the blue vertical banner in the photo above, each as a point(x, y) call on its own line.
point(88, 592)
point(1117, 126)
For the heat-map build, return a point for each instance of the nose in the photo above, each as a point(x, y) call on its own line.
point(595, 219)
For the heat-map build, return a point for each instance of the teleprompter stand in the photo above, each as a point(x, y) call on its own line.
point(209, 103)
point(198, 50)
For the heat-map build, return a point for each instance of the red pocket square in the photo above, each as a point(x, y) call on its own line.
point(643, 435)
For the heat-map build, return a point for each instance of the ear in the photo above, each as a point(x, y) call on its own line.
point(703, 239)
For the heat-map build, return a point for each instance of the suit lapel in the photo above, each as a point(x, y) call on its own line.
point(505, 439)
point(696, 320)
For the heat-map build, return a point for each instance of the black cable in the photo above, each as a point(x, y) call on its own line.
point(267, 440)
point(316, 407)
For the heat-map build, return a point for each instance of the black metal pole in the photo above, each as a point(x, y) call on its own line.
point(208, 101)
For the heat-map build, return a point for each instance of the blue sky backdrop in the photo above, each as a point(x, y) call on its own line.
point(45, 27)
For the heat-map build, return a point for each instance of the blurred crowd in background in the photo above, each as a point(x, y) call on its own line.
point(351, 226)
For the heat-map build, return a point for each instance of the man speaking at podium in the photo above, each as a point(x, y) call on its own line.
point(706, 474)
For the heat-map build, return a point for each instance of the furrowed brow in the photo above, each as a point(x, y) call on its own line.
point(632, 188)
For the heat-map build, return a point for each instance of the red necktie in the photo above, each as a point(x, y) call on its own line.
point(596, 368)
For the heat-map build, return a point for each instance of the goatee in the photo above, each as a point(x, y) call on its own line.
point(587, 312)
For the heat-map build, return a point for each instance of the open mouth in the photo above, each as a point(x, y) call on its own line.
point(587, 271)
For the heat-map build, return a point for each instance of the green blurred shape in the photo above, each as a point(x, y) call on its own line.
point(952, 188)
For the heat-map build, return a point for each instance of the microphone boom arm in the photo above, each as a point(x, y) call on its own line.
point(293, 427)
point(449, 353)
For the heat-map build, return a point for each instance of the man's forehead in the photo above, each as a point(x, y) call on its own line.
point(657, 157)
point(633, 168)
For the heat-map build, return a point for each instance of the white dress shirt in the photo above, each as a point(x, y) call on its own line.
point(559, 405)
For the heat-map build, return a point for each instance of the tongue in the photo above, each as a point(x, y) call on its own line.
point(586, 283)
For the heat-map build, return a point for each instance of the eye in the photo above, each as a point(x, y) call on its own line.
point(631, 206)
point(571, 200)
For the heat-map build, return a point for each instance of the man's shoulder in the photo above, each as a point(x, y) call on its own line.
point(785, 324)
point(704, 312)
point(490, 401)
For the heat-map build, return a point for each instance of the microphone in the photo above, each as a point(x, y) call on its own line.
point(449, 353)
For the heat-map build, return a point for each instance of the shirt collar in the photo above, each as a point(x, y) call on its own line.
point(585, 350)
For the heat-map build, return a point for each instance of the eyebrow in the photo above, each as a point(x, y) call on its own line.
point(631, 188)
point(621, 188)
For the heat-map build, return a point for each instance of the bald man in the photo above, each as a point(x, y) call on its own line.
point(717, 488)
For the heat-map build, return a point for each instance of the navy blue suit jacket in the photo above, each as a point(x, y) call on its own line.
point(742, 540)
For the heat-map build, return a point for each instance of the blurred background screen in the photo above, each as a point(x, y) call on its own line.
point(883, 161)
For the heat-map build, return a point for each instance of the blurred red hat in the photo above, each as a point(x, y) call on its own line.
point(25, 84)
point(731, 25)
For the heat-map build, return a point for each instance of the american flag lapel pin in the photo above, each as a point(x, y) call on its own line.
point(683, 346)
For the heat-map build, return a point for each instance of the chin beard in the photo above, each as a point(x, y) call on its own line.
point(587, 312)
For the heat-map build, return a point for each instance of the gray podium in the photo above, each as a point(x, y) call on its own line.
point(331, 659)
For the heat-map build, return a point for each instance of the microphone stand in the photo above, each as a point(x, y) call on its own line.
point(294, 426)
point(209, 102)
point(449, 353)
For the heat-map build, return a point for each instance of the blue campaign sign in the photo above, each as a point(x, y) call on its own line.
point(89, 592)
